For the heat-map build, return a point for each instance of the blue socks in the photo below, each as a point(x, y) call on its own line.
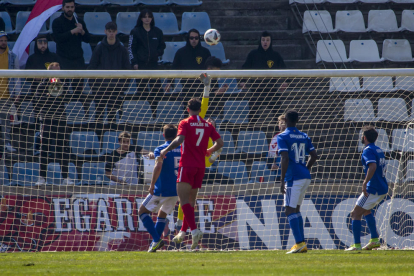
point(356, 230)
point(160, 225)
point(372, 226)
point(294, 226)
point(149, 225)
point(302, 229)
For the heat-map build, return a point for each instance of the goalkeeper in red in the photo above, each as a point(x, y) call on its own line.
point(193, 133)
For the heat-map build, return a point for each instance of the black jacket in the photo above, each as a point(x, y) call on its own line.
point(39, 60)
point(109, 57)
point(265, 60)
point(145, 47)
point(49, 106)
point(189, 58)
point(67, 45)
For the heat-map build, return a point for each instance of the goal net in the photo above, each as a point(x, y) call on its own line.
point(68, 185)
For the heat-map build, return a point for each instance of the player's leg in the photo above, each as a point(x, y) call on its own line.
point(370, 219)
point(196, 234)
point(305, 185)
point(166, 209)
point(180, 218)
point(150, 204)
point(356, 216)
point(183, 191)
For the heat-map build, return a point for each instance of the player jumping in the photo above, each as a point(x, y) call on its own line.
point(293, 146)
point(374, 190)
point(163, 191)
point(193, 134)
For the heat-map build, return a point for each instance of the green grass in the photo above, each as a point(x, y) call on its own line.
point(209, 263)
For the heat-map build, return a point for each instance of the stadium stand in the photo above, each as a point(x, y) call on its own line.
point(317, 21)
point(331, 51)
point(95, 22)
point(7, 21)
point(375, 84)
point(344, 84)
point(359, 110)
point(167, 22)
point(234, 170)
point(392, 110)
point(54, 173)
point(260, 173)
point(136, 112)
point(25, 174)
point(94, 174)
point(351, 21)
point(196, 20)
point(364, 51)
point(21, 19)
point(126, 21)
point(397, 50)
point(110, 142)
point(382, 21)
point(84, 144)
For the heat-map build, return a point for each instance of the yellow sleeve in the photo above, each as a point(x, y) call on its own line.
point(204, 107)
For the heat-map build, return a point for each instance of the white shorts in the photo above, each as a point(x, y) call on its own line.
point(370, 201)
point(294, 195)
point(154, 203)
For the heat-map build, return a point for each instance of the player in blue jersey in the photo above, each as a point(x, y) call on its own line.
point(293, 147)
point(162, 196)
point(374, 190)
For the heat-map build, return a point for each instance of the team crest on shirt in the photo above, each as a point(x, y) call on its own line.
point(47, 64)
point(270, 63)
point(199, 60)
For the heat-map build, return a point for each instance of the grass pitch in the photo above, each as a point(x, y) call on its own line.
point(321, 262)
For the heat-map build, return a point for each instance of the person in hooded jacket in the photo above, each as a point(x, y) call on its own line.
point(146, 46)
point(109, 54)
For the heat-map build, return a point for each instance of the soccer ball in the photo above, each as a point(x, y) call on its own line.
point(212, 37)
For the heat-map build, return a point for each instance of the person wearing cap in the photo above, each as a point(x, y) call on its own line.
point(9, 88)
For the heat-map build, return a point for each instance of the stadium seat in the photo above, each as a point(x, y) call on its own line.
point(195, 20)
point(403, 140)
point(96, 21)
point(25, 174)
point(391, 173)
point(409, 175)
point(123, 3)
point(10, 44)
point(359, 110)
point(392, 110)
point(260, 173)
point(350, 22)
point(373, 1)
point(378, 84)
point(170, 50)
point(90, 3)
point(110, 142)
point(83, 141)
point(170, 112)
point(382, 21)
point(397, 50)
point(7, 21)
point(75, 114)
point(54, 174)
point(344, 84)
point(154, 2)
point(217, 51)
point(94, 174)
point(382, 141)
point(229, 146)
point(4, 176)
point(407, 20)
point(331, 51)
point(21, 19)
point(186, 3)
point(27, 112)
point(126, 21)
point(364, 51)
point(232, 85)
point(252, 142)
point(136, 112)
point(149, 140)
point(402, 1)
point(404, 83)
point(317, 21)
point(234, 170)
point(87, 52)
point(236, 112)
point(20, 2)
point(307, 1)
point(167, 22)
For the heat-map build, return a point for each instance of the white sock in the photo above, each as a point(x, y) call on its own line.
point(194, 231)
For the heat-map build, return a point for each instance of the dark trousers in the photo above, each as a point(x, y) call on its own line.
point(76, 84)
point(149, 89)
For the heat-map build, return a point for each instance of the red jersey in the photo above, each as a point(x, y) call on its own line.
point(194, 148)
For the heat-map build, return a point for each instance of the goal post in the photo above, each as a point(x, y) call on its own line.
point(64, 186)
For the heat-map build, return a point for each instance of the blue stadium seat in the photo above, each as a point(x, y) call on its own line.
point(110, 142)
point(252, 142)
point(25, 174)
point(94, 174)
point(87, 52)
point(96, 21)
point(75, 114)
point(154, 2)
point(54, 174)
point(234, 170)
point(7, 21)
point(187, 3)
point(232, 85)
point(81, 141)
point(50, 44)
point(170, 50)
point(195, 20)
point(20, 2)
point(217, 51)
point(92, 114)
point(236, 112)
point(137, 112)
point(21, 19)
point(170, 112)
point(260, 173)
point(10, 44)
point(149, 140)
point(27, 112)
point(124, 3)
point(132, 88)
point(126, 21)
point(4, 176)
point(229, 146)
point(167, 22)
point(90, 3)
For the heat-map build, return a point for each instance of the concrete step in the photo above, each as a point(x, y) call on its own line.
point(292, 51)
point(250, 23)
point(290, 64)
point(252, 37)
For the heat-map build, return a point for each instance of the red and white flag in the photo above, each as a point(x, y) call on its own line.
point(42, 10)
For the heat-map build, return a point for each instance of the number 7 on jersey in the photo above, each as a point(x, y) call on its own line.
point(200, 133)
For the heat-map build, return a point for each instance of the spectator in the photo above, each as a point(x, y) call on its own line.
point(50, 99)
point(146, 45)
point(8, 90)
point(109, 54)
point(69, 32)
point(122, 165)
point(272, 156)
point(2, 25)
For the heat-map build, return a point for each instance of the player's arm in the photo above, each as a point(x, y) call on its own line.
point(218, 144)
point(206, 94)
point(174, 144)
point(284, 163)
point(114, 178)
point(371, 163)
point(155, 173)
point(313, 157)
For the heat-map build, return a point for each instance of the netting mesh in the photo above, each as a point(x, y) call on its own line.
point(60, 135)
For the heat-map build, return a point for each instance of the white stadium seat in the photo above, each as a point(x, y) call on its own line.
point(382, 141)
point(383, 21)
point(350, 22)
point(307, 1)
point(409, 175)
point(331, 51)
point(407, 20)
point(392, 110)
point(404, 83)
point(392, 170)
point(344, 84)
point(378, 84)
point(403, 140)
point(397, 50)
point(359, 110)
point(317, 21)
point(364, 51)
